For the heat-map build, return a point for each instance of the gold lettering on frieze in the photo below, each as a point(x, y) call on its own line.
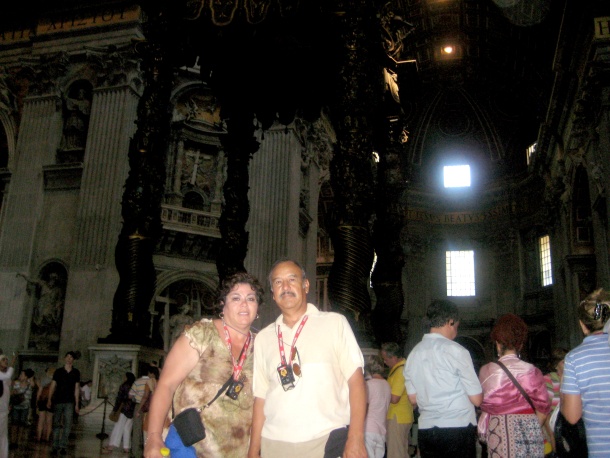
point(88, 19)
point(14, 36)
point(459, 217)
point(602, 27)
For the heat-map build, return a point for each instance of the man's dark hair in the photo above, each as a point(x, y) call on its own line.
point(440, 312)
point(130, 378)
point(71, 353)
point(282, 260)
point(392, 349)
point(155, 371)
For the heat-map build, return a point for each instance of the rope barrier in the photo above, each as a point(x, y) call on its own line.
point(97, 407)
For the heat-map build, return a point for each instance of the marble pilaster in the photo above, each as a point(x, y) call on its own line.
point(93, 277)
point(104, 172)
point(275, 185)
point(21, 212)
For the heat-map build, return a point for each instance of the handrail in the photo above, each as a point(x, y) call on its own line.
point(191, 221)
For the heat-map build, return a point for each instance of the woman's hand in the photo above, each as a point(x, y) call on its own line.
point(541, 417)
point(154, 444)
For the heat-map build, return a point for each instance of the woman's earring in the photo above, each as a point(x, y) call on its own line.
point(257, 316)
point(221, 315)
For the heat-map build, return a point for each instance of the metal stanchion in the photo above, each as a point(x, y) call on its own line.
point(102, 434)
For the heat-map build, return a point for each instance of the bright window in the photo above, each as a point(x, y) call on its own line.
point(531, 150)
point(457, 176)
point(460, 273)
point(544, 244)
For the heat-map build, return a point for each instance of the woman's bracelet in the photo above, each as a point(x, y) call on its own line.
point(154, 432)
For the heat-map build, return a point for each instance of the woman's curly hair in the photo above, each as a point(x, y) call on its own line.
point(510, 331)
point(230, 282)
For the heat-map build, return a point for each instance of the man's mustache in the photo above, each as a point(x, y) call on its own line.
point(288, 292)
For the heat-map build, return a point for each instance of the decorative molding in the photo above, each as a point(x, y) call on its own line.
point(63, 176)
point(115, 66)
point(304, 222)
point(46, 72)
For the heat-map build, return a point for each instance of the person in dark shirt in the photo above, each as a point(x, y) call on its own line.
point(63, 397)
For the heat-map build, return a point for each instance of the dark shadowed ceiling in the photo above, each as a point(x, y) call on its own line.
point(483, 103)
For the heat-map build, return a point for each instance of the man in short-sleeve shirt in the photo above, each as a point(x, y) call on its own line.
point(305, 400)
point(441, 380)
point(64, 394)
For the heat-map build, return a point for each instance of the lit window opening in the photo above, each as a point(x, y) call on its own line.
point(457, 176)
point(460, 273)
point(544, 243)
point(531, 150)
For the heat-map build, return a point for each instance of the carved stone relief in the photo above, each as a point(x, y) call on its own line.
point(76, 112)
point(111, 372)
point(47, 293)
point(181, 303)
point(199, 170)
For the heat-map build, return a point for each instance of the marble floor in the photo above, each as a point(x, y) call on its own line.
point(86, 440)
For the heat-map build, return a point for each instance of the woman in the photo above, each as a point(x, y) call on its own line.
point(509, 425)
point(209, 355)
point(45, 415)
point(585, 387)
point(34, 385)
point(122, 428)
point(553, 382)
point(149, 388)
point(379, 395)
point(21, 395)
point(85, 393)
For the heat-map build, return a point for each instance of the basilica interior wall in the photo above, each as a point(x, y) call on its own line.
point(52, 217)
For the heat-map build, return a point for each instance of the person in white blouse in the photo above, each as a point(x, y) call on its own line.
point(6, 373)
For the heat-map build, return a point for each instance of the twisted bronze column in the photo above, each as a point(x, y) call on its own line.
point(141, 203)
point(239, 145)
point(389, 223)
point(359, 89)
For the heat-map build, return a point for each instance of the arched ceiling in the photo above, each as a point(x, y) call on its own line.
point(485, 101)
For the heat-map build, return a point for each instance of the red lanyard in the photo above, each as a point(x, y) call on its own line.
point(280, 340)
point(237, 366)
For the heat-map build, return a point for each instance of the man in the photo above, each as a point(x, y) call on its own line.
point(400, 411)
point(64, 394)
point(309, 389)
point(137, 393)
point(6, 373)
point(441, 380)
